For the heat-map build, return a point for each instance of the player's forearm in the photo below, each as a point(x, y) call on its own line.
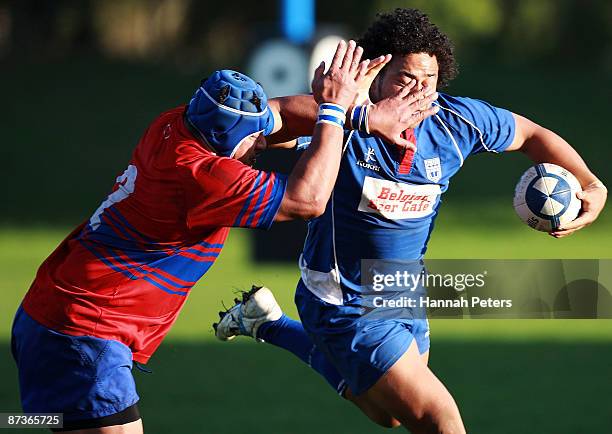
point(544, 146)
point(312, 180)
point(294, 116)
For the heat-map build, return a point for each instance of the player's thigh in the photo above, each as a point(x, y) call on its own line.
point(128, 428)
point(372, 409)
point(411, 393)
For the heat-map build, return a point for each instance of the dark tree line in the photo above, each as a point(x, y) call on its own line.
point(199, 31)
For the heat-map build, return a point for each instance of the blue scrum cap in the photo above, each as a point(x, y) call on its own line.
point(228, 107)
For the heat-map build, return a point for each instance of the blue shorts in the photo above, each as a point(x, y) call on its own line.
point(361, 347)
point(83, 377)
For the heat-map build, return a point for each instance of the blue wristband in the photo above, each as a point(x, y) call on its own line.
point(360, 118)
point(355, 114)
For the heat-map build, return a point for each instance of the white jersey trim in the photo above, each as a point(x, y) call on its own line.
point(480, 135)
point(326, 286)
point(461, 158)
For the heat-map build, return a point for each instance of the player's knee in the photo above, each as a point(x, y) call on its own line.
point(386, 421)
point(442, 417)
point(450, 422)
point(380, 417)
point(372, 411)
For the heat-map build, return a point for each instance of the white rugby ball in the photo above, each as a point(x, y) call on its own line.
point(545, 197)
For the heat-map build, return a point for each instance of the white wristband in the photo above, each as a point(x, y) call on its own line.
point(331, 114)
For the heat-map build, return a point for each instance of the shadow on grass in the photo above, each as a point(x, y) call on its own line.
point(242, 387)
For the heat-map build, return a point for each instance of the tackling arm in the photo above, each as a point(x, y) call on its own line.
point(542, 145)
point(294, 116)
point(312, 179)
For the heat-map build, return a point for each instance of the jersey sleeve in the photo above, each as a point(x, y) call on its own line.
point(225, 192)
point(302, 143)
point(483, 127)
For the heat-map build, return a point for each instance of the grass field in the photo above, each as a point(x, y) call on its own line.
point(518, 376)
point(513, 376)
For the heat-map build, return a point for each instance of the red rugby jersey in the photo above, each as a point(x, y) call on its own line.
point(125, 273)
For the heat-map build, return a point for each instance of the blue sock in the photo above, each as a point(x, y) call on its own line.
point(291, 336)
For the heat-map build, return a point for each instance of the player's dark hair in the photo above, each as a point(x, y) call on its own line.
point(409, 31)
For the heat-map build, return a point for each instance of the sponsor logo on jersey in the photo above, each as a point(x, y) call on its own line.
point(433, 169)
point(369, 159)
point(397, 200)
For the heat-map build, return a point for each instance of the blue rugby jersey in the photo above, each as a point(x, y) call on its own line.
point(385, 200)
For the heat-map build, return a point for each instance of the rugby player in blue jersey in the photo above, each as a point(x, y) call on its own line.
point(383, 207)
